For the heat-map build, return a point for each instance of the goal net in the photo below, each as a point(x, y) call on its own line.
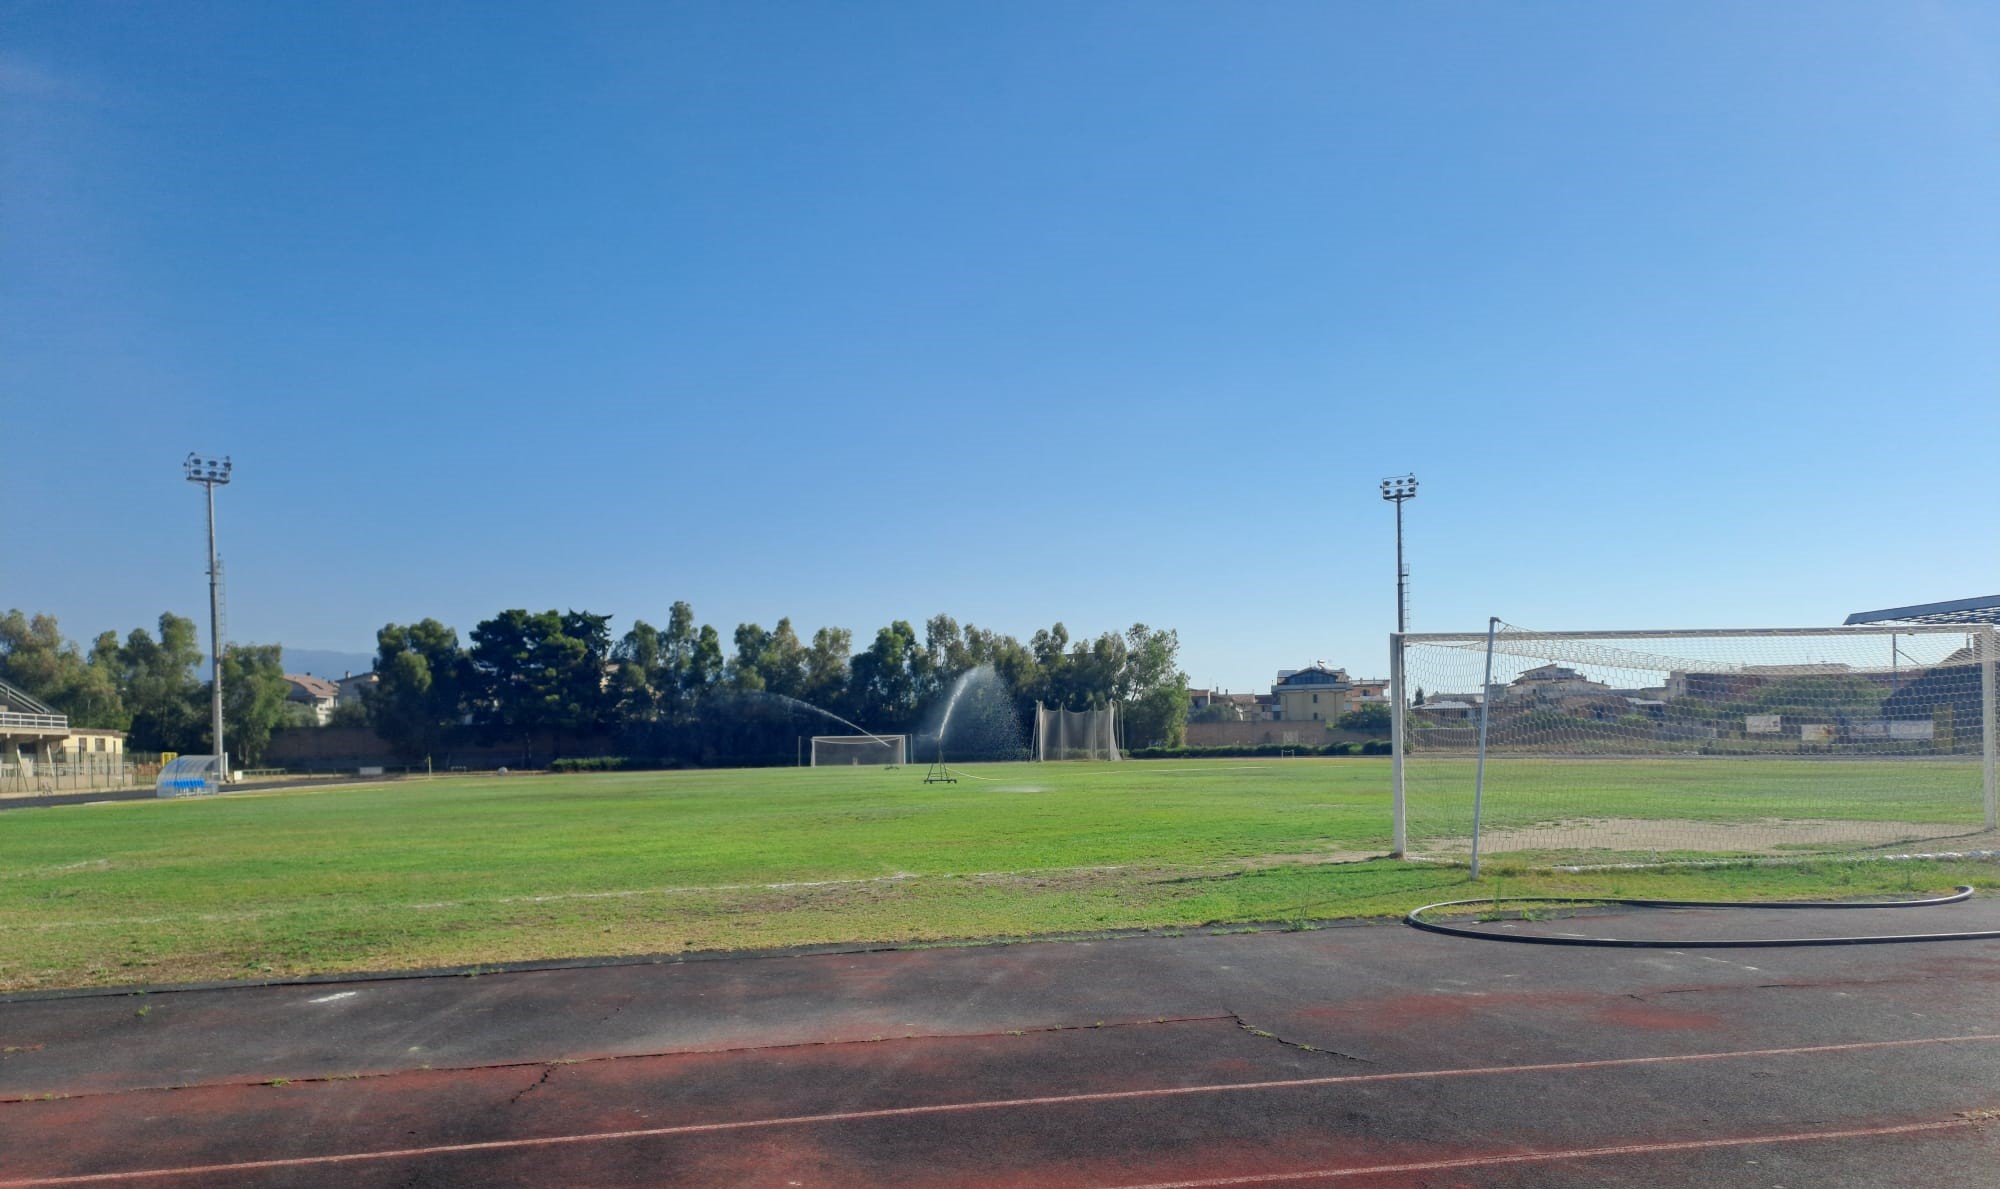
point(1651, 746)
point(1076, 734)
point(875, 751)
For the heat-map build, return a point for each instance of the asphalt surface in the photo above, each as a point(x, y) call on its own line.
point(149, 792)
point(1351, 1055)
point(51, 800)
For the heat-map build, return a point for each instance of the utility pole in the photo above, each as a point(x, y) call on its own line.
point(211, 473)
point(1396, 490)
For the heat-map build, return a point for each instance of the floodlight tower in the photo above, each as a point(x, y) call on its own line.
point(1396, 490)
point(211, 473)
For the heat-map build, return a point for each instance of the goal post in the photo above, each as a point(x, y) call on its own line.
point(1683, 744)
point(1062, 734)
point(873, 751)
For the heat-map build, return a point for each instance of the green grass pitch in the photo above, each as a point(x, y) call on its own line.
point(460, 870)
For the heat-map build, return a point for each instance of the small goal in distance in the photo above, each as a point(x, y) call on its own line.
point(875, 751)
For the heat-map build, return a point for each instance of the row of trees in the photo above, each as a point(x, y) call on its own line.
point(672, 692)
point(147, 685)
point(675, 692)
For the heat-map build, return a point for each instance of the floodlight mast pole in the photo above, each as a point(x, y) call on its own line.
point(210, 473)
point(1396, 490)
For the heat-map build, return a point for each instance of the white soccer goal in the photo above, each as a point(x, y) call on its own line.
point(1076, 734)
point(875, 751)
point(1622, 746)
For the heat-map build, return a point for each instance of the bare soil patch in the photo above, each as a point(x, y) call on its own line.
point(1763, 836)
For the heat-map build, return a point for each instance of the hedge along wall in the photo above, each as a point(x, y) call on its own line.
point(1282, 734)
point(1370, 747)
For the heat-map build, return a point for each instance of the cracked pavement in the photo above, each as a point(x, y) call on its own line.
point(1351, 1054)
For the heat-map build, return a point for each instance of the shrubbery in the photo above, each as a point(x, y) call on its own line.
point(655, 763)
point(601, 764)
point(1373, 747)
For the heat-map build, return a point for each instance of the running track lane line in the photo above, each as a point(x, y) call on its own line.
point(895, 1112)
point(1498, 1158)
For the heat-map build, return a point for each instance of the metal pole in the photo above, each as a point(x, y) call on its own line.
point(209, 472)
point(1396, 489)
point(1402, 576)
point(215, 644)
point(1479, 772)
point(1401, 842)
point(1989, 726)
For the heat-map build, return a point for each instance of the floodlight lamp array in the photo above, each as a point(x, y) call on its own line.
point(207, 470)
point(1399, 488)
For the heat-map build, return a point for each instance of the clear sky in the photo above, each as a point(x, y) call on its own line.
point(1685, 314)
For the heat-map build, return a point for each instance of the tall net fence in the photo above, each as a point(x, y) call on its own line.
point(1076, 734)
point(1673, 745)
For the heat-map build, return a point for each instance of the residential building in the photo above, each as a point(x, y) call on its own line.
point(354, 686)
point(1366, 690)
point(1239, 707)
point(1547, 683)
point(1316, 693)
point(1447, 709)
point(86, 743)
point(315, 692)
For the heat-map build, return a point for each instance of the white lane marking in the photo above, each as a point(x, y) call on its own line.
point(897, 1112)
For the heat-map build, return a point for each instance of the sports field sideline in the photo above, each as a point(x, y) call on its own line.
point(465, 871)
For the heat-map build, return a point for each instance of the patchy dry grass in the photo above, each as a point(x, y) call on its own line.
point(463, 872)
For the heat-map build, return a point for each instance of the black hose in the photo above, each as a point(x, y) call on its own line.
point(1964, 892)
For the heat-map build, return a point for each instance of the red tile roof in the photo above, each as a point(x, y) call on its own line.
point(314, 686)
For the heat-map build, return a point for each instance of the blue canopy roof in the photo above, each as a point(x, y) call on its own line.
point(1985, 610)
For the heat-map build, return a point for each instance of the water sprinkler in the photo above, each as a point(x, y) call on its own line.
point(939, 774)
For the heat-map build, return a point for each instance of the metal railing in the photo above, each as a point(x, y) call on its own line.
point(14, 695)
point(35, 722)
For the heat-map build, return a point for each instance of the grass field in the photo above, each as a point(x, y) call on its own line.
point(479, 870)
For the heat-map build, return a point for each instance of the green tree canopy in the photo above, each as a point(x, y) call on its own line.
point(253, 700)
point(540, 672)
point(418, 702)
point(160, 688)
point(36, 659)
point(1372, 717)
point(1153, 688)
point(826, 670)
point(884, 679)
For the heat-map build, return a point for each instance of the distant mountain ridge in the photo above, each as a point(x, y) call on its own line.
point(323, 662)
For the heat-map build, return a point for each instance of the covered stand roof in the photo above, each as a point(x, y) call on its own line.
point(1982, 610)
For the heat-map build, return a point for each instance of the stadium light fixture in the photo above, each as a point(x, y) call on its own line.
point(212, 473)
point(1397, 489)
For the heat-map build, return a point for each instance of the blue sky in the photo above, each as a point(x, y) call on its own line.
point(1684, 314)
